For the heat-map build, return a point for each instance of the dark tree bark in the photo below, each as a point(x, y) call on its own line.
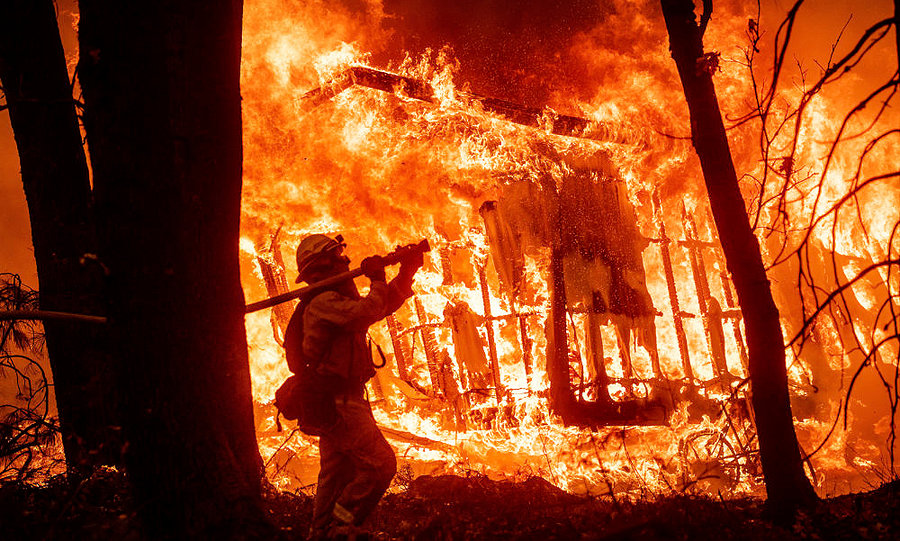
point(786, 483)
point(163, 119)
point(55, 177)
point(897, 29)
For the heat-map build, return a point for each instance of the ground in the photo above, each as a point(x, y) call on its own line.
point(451, 508)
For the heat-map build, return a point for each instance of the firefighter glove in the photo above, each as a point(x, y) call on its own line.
point(373, 268)
point(412, 263)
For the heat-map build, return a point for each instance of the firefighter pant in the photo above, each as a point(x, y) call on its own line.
point(356, 466)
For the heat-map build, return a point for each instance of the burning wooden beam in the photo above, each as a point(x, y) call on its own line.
point(596, 362)
point(561, 398)
point(677, 314)
point(413, 439)
point(732, 311)
point(271, 265)
point(524, 342)
point(545, 119)
point(446, 266)
point(432, 353)
point(400, 353)
point(489, 325)
point(712, 326)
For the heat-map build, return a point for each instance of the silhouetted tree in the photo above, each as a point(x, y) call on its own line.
point(825, 279)
point(55, 177)
point(163, 121)
point(786, 483)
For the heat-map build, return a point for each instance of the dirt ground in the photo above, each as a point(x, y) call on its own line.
point(457, 508)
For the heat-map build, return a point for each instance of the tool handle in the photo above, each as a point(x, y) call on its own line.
point(398, 255)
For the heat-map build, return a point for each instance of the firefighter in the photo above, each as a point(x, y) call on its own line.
point(330, 331)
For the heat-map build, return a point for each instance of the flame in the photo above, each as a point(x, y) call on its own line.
point(385, 168)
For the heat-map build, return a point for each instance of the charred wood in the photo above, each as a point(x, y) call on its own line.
point(446, 267)
point(632, 412)
point(664, 242)
point(623, 340)
point(276, 284)
point(561, 399)
point(489, 325)
point(281, 312)
point(432, 351)
point(712, 322)
point(400, 353)
point(545, 119)
point(524, 343)
point(596, 362)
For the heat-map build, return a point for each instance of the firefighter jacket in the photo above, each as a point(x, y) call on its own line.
point(334, 328)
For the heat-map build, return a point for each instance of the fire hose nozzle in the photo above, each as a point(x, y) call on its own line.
point(403, 252)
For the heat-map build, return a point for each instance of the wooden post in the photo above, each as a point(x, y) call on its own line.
point(732, 308)
point(712, 327)
point(431, 351)
point(525, 343)
point(623, 339)
point(664, 242)
point(489, 325)
point(561, 399)
point(400, 353)
point(595, 360)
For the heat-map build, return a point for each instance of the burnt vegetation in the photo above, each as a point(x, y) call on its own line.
point(467, 507)
point(825, 278)
point(29, 434)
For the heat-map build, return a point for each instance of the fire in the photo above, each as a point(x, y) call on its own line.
point(466, 384)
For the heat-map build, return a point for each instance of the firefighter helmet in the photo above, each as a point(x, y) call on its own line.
point(312, 248)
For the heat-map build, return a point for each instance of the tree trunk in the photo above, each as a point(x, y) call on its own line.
point(55, 177)
point(163, 119)
point(786, 483)
point(897, 29)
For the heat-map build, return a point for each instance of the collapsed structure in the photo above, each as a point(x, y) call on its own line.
point(582, 234)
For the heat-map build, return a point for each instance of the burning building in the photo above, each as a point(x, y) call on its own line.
point(575, 319)
point(541, 305)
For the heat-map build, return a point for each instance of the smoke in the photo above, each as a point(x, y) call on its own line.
point(521, 51)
